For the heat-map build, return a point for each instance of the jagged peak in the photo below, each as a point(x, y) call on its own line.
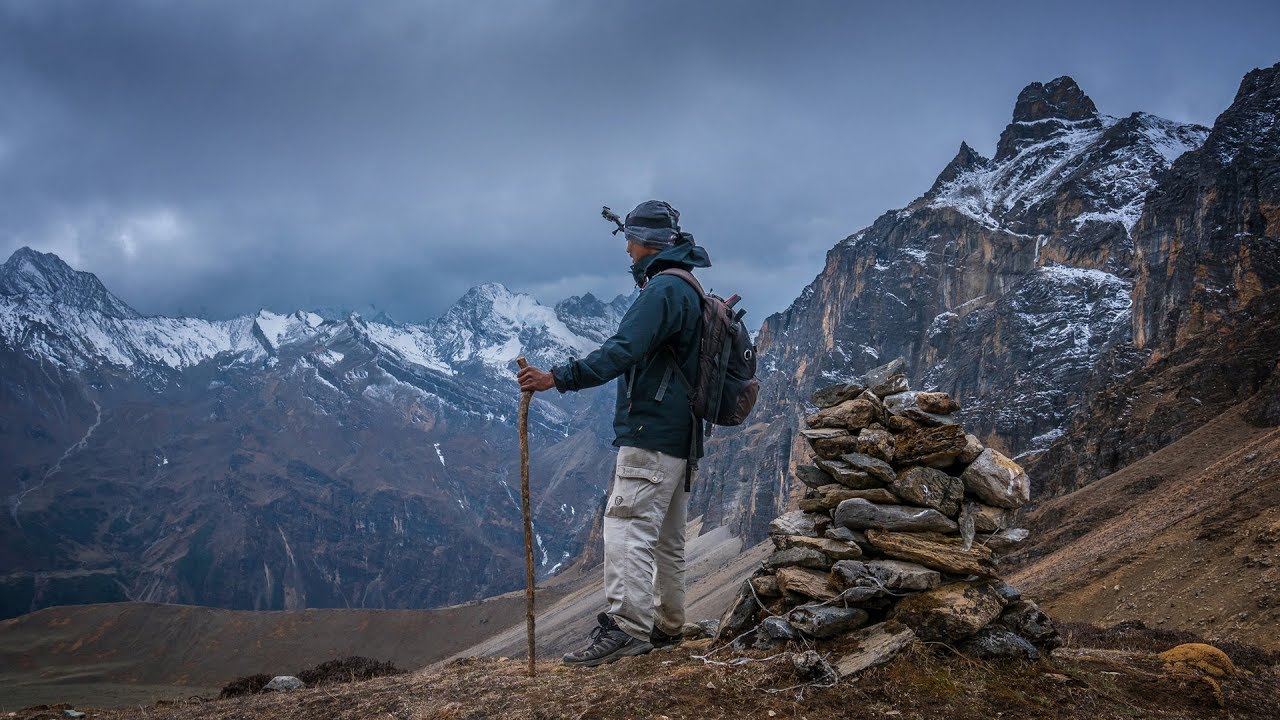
point(1060, 98)
point(966, 159)
point(47, 278)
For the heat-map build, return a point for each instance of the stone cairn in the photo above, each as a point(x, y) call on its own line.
point(896, 538)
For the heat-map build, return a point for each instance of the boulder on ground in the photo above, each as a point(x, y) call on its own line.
point(932, 550)
point(859, 514)
point(951, 612)
point(996, 480)
point(1027, 620)
point(700, 629)
point(998, 643)
point(284, 683)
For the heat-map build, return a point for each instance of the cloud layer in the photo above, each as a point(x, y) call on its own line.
point(214, 158)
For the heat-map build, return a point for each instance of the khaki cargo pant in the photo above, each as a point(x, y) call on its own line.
point(644, 526)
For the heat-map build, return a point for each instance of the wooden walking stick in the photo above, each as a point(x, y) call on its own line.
point(525, 397)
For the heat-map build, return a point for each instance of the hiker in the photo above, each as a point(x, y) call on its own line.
point(644, 522)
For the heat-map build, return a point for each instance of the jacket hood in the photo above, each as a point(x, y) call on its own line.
point(684, 254)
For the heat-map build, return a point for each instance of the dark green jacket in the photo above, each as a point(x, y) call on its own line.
point(668, 313)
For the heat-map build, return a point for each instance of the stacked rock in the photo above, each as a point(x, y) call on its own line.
point(898, 534)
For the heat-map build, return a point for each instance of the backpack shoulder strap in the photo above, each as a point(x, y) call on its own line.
point(687, 277)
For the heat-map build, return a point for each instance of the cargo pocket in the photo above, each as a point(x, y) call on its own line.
point(632, 488)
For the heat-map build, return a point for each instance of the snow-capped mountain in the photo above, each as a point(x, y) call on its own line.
point(1003, 285)
point(254, 462)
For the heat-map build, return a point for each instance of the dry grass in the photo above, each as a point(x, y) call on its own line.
point(921, 683)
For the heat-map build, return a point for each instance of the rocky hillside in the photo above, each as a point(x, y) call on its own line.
point(1027, 283)
point(281, 461)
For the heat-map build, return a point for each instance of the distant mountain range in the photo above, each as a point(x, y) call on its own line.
point(282, 461)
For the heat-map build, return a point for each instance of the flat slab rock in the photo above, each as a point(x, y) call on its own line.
point(832, 395)
point(851, 415)
point(895, 575)
point(834, 549)
point(831, 495)
point(940, 552)
point(859, 514)
point(823, 621)
point(802, 581)
point(929, 487)
point(847, 475)
point(876, 644)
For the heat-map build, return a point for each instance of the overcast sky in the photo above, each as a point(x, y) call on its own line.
point(217, 157)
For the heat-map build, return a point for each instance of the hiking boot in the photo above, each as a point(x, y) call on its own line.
point(608, 643)
point(661, 641)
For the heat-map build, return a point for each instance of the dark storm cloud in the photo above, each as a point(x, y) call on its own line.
point(218, 157)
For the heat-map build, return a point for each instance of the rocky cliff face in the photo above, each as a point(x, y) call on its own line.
point(1206, 299)
point(1002, 285)
point(282, 461)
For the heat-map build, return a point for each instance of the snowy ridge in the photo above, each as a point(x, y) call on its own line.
point(1113, 162)
point(68, 318)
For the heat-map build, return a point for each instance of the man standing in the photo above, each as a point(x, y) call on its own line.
point(644, 522)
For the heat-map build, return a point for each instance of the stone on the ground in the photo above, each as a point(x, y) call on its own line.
point(738, 616)
point(798, 522)
point(1027, 620)
point(929, 487)
point(875, 467)
point(847, 475)
point(1006, 540)
point(876, 442)
point(851, 415)
point(996, 480)
point(832, 395)
point(937, 403)
point(878, 375)
point(951, 612)
point(973, 447)
point(932, 550)
point(829, 496)
point(834, 549)
point(809, 664)
point(700, 629)
point(802, 581)
point(823, 621)
point(998, 643)
point(936, 446)
point(284, 683)
point(859, 514)
point(892, 385)
point(797, 555)
point(68, 713)
point(875, 645)
point(813, 476)
point(1188, 657)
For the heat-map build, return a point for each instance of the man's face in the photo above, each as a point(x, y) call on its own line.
point(637, 251)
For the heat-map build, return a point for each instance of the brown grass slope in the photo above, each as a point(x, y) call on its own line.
point(1186, 538)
